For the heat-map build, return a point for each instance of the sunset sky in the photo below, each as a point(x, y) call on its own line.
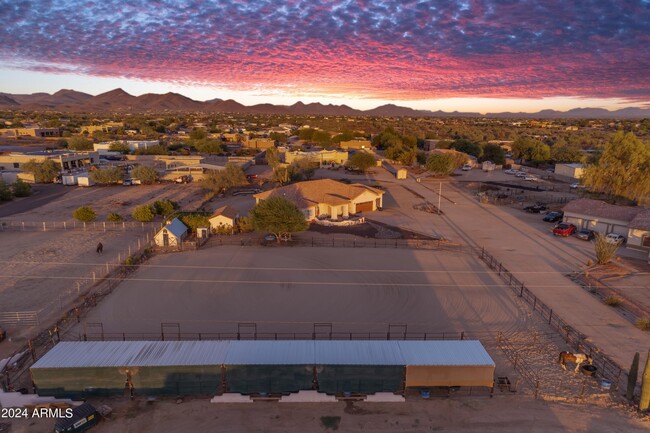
point(470, 55)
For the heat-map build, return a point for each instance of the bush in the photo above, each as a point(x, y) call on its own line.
point(165, 207)
point(146, 175)
point(114, 217)
point(643, 324)
point(604, 250)
point(5, 191)
point(613, 301)
point(85, 214)
point(194, 220)
point(21, 188)
point(143, 214)
point(105, 176)
point(245, 225)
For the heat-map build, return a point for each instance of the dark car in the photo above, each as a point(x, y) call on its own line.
point(536, 208)
point(585, 234)
point(553, 217)
point(564, 229)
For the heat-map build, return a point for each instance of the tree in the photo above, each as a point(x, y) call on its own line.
point(143, 213)
point(198, 134)
point(441, 164)
point(105, 176)
point(530, 150)
point(273, 157)
point(467, 146)
point(44, 172)
point(146, 175)
point(622, 169)
point(114, 217)
point(5, 191)
point(21, 188)
point(79, 143)
point(212, 147)
point(302, 169)
point(219, 181)
point(85, 214)
point(119, 146)
point(362, 161)
point(279, 216)
point(494, 153)
point(565, 153)
point(165, 207)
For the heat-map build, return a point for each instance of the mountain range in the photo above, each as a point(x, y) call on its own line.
point(120, 101)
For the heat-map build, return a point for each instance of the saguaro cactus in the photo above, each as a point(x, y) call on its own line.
point(632, 377)
point(644, 402)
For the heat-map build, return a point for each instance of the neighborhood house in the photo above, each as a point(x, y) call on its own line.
point(327, 197)
point(224, 218)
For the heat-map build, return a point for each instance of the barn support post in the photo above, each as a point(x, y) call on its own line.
point(550, 316)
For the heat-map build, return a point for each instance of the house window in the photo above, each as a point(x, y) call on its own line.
point(645, 242)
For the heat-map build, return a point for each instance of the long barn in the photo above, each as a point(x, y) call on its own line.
point(83, 369)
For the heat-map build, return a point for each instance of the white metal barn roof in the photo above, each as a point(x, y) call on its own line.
point(287, 352)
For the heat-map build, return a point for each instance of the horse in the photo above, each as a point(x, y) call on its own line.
point(100, 248)
point(577, 358)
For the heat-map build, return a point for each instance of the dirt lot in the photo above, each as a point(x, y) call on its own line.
point(502, 414)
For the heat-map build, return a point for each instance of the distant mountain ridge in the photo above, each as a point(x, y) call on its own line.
point(118, 100)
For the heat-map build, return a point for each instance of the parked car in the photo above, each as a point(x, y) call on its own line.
point(614, 238)
point(564, 229)
point(536, 208)
point(467, 167)
point(520, 174)
point(585, 234)
point(576, 186)
point(553, 217)
point(510, 171)
point(531, 178)
point(251, 176)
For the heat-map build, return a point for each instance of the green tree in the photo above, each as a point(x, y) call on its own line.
point(279, 137)
point(106, 176)
point(279, 216)
point(21, 188)
point(165, 207)
point(146, 175)
point(119, 146)
point(114, 217)
point(5, 191)
point(494, 153)
point(530, 149)
point(44, 172)
point(362, 161)
point(623, 168)
point(565, 153)
point(273, 157)
point(303, 169)
point(79, 143)
point(198, 134)
point(212, 147)
point(218, 181)
point(245, 225)
point(143, 213)
point(467, 146)
point(441, 164)
point(85, 214)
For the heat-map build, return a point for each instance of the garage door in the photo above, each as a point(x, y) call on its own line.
point(364, 207)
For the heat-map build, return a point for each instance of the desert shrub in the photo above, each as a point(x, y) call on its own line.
point(613, 301)
point(114, 217)
point(643, 324)
point(143, 214)
point(85, 214)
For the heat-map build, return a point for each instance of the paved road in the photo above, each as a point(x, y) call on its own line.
point(536, 257)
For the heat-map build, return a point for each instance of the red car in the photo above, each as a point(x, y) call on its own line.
point(564, 229)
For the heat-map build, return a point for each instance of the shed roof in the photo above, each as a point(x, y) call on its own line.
point(86, 354)
point(82, 354)
point(641, 221)
point(457, 353)
point(600, 209)
point(227, 211)
point(176, 227)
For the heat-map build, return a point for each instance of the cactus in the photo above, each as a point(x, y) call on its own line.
point(632, 377)
point(644, 402)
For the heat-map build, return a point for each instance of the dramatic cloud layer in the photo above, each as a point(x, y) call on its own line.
point(393, 49)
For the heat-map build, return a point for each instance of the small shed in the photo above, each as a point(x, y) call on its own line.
point(402, 173)
point(171, 234)
point(224, 218)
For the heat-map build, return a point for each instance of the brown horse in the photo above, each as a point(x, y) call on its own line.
point(577, 358)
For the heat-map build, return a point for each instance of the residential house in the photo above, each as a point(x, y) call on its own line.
point(172, 234)
point(322, 157)
point(327, 197)
point(356, 144)
point(224, 218)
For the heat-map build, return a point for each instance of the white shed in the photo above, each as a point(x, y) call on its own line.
point(172, 234)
